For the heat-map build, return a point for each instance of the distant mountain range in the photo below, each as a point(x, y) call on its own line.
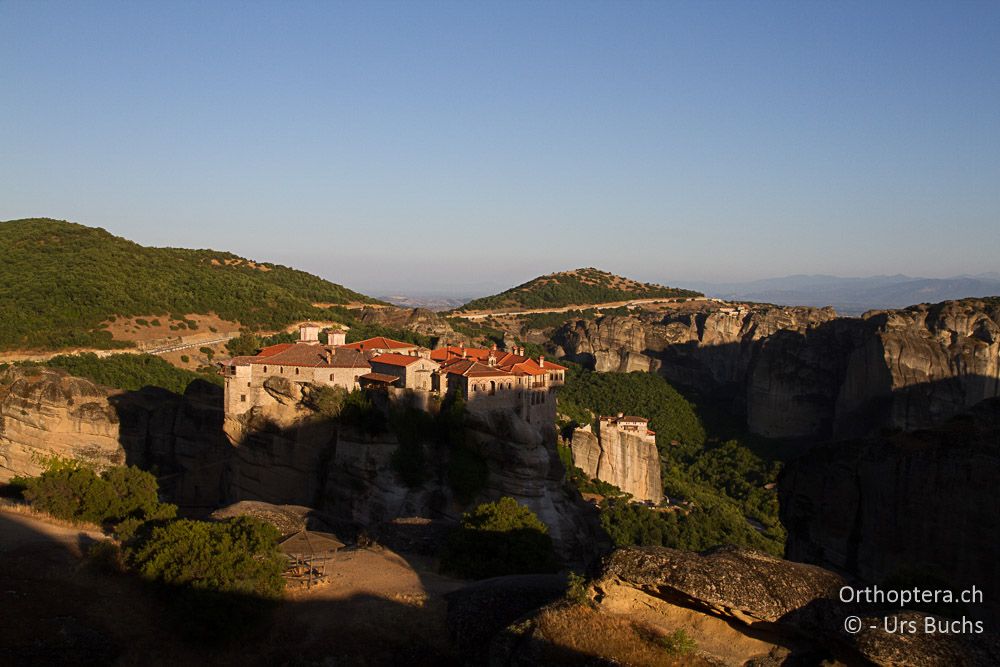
point(436, 302)
point(853, 296)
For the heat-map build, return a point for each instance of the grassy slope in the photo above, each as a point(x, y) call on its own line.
point(579, 287)
point(60, 280)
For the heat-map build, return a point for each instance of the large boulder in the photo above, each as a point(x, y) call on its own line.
point(740, 608)
point(747, 585)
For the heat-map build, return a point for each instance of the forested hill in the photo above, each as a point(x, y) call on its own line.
point(59, 281)
point(579, 287)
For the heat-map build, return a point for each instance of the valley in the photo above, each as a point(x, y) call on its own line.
point(665, 426)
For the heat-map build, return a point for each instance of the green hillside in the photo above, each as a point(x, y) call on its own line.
point(574, 288)
point(59, 281)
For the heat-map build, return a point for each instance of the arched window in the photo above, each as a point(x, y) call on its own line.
point(493, 387)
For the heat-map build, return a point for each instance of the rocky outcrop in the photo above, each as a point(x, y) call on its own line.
point(907, 507)
point(284, 453)
point(626, 460)
point(803, 372)
point(419, 320)
point(747, 586)
point(740, 607)
point(709, 350)
point(45, 413)
point(363, 486)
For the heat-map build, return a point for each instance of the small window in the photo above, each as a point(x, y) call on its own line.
point(243, 398)
point(265, 369)
point(296, 371)
point(248, 384)
point(331, 377)
point(281, 370)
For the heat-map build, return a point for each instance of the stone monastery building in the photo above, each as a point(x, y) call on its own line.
point(487, 379)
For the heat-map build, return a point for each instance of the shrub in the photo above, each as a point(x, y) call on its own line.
point(185, 359)
point(497, 539)
point(130, 371)
point(207, 351)
point(359, 411)
point(219, 580)
point(79, 494)
point(235, 556)
point(327, 401)
point(678, 642)
point(576, 589)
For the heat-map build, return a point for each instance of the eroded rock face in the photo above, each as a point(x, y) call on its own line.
point(746, 585)
point(709, 350)
point(419, 320)
point(286, 454)
point(909, 505)
point(805, 373)
point(45, 413)
point(629, 461)
point(744, 608)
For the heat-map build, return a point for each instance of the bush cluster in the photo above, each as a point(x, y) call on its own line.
point(498, 539)
point(76, 493)
point(130, 371)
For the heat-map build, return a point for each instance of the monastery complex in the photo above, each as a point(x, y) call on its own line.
point(487, 379)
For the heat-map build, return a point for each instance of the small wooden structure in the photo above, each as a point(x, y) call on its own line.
point(308, 553)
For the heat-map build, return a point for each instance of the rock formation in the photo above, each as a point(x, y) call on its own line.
point(45, 412)
point(419, 320)
point(909, 506)
point(627, 460)
point(286, 454)
point(740, 607)
point(709, 350)
point(805, 373)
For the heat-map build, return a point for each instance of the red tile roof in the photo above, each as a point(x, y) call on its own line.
point(504, 360)
point(311, 355)
point(393, 359)
point(380, 343)
point(379, 377)
point(274, 349)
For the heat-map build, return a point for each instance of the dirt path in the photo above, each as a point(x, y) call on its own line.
point(20, 530)
point(172, 347)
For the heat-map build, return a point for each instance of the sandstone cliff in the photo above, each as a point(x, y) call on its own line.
point(907, 505)
point(285, 454)
point(709, 350)
point(626, 460)
point(46, 413)
point(805, 373)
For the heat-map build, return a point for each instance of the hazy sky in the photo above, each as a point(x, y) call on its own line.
point(413, 146)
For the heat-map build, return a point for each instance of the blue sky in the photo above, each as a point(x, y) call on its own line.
point(456, 146)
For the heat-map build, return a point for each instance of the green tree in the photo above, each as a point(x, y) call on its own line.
point(235, 556)
point(499, 538)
